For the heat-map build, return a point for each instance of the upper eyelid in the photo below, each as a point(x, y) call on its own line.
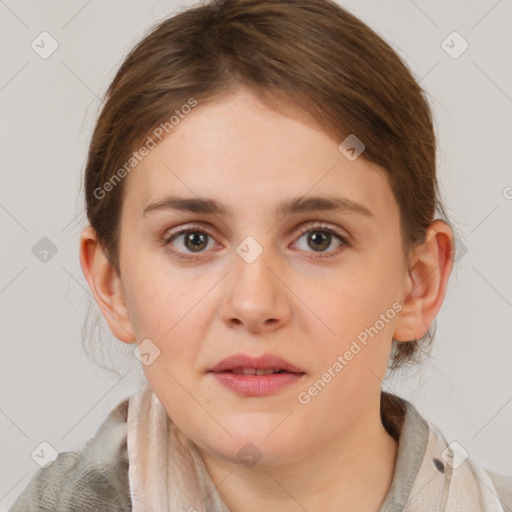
point(304, 228)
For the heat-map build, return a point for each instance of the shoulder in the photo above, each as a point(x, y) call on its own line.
point(429, 469)
point(503, 486)
point(93, 479)
point(468, 484)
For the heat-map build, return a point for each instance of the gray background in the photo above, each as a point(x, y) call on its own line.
point(49, 389)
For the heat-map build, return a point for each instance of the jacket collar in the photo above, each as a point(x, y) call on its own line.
point(429, 470)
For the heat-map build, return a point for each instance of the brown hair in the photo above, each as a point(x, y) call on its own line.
point(312, 54)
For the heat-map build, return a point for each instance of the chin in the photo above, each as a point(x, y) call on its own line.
point(254, 447)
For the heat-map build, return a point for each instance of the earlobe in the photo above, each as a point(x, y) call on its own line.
point(430, 267)
point(105, 286)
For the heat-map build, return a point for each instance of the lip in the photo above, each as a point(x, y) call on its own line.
point(256, 385)
point(259, 362)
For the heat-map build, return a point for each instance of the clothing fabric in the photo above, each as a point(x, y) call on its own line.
point(139, 460)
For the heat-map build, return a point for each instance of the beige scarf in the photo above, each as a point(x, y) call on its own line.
point(167, 474)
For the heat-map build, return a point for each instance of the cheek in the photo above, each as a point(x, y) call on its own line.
point(348, 302)
point(171, 313)
point(355, 316)
point(157, 296)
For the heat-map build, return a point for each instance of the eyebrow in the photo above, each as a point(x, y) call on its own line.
point(293, 205)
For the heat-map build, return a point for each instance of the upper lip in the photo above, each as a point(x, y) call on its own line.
point(259, 362)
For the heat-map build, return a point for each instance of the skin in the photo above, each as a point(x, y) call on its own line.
point(332, 453)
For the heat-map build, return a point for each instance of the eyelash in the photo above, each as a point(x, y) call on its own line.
point(305, 229)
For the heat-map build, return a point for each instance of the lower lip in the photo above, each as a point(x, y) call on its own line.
point(257, 385)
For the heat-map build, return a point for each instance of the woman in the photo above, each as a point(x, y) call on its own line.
point(262, 197)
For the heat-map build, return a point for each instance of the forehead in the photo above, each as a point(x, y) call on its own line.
point(249, 156)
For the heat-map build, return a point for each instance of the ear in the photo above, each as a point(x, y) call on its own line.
point(429, 265)
point(105, 285)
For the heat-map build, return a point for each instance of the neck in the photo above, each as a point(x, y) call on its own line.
point(352, 474)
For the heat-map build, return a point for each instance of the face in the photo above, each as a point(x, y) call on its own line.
point(318, 287)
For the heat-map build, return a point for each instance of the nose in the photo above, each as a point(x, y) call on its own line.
point(257, 298)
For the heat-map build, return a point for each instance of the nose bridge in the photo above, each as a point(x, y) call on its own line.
point(252, 263)
point(256, 295)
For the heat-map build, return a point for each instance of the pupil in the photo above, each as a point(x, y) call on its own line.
point(318, 238)
point(196, 240)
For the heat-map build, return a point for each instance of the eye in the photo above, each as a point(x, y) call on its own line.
point(194, 239)
point(320, 238)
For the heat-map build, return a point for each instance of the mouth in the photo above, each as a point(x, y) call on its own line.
point(256, 371)
point(253, 376)
point(245, 364)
